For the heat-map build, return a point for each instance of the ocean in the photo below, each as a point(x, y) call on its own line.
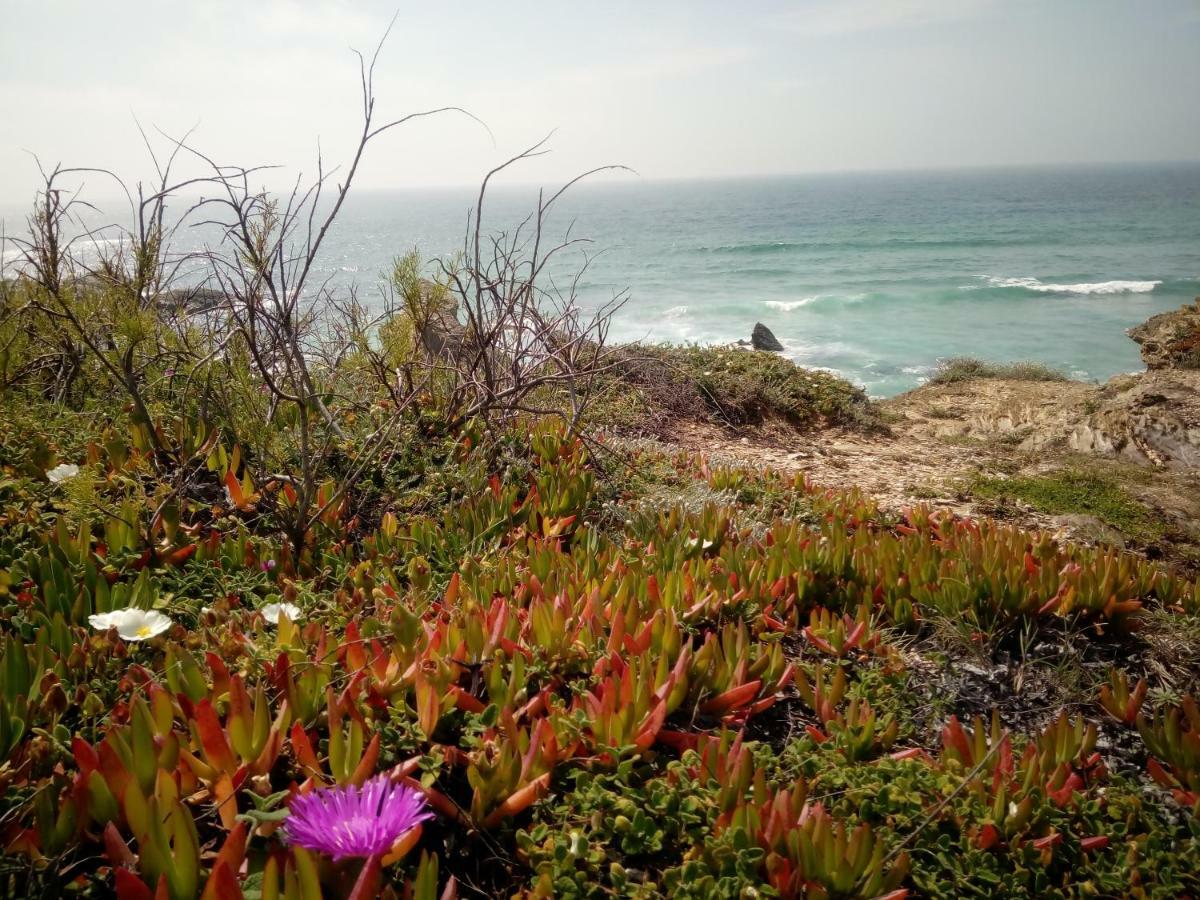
point(875, 276)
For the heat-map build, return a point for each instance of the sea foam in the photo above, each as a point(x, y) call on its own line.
point(789, 305)
point(1098, 287)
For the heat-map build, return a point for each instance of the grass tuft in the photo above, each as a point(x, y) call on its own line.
point(967, 368)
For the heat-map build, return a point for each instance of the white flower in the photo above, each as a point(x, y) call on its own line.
point(272, 610)
point(132, 624)
point(63, 472)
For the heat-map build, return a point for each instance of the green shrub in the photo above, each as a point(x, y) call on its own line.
point(733, 387)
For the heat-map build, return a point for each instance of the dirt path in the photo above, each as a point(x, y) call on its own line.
point(897, 469)
point(942, 440)
point(938, 438)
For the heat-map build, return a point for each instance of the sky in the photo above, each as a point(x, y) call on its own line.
point(671, 89)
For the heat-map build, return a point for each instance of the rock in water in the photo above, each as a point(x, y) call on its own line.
point(762, 338)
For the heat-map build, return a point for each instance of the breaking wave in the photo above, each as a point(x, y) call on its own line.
point(815, 299)
point(1097, 287)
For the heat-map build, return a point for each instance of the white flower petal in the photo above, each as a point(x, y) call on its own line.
point(132, 624)
point(272, 611)
point(62, 472)
point(101, 621)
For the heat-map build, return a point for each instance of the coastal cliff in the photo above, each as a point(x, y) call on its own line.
point(1115, 463)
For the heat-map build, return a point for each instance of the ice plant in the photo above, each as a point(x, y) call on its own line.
point(272, 610)
point(132, 624)
point(346, 822)
point(62, 472)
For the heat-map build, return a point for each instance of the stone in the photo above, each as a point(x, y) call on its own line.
point(1171, 340)
point(762, 339)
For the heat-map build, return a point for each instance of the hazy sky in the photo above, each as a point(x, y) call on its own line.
point(672, 89)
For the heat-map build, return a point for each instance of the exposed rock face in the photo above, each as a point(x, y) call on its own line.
point(1171, 340)
point(442, 334)
point(1151, 419)
point(762, 339)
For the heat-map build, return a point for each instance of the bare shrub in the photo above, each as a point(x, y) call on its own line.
point(241, 338)
point(507, 339)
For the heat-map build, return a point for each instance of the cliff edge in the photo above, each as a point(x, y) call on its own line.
point(1115, 463)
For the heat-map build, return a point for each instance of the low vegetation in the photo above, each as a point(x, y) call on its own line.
point(592, 691)
point(967, 368)
point(654, 387)
point(1076, 492)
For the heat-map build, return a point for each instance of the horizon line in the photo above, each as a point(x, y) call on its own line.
point(634, 176)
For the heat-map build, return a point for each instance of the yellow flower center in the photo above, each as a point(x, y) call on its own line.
point(144, 631)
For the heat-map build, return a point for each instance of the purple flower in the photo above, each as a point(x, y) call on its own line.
point(344, 822)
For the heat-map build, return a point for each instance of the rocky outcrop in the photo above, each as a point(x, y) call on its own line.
point(192, 300)
point(762, 339)
point(1171, 340)
point(1150, 419)
point(436, 314)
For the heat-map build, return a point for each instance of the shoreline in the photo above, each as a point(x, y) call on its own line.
point(1114, 463)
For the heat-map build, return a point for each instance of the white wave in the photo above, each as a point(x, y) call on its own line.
point(789, 305)
point(1099, 287)
point(822, 299)
point(675, 312)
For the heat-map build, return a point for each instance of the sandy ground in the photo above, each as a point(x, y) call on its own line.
point(941, 438)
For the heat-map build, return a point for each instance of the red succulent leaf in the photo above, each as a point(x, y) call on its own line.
point(222, 884)
point(130, 887)
point(118, 851)
point(212, 737)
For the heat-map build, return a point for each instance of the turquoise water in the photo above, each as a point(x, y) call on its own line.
point(876, 276)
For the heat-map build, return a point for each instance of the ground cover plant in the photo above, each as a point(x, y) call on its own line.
point(1076, 492)
point(297, 601)
point(585, 693)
